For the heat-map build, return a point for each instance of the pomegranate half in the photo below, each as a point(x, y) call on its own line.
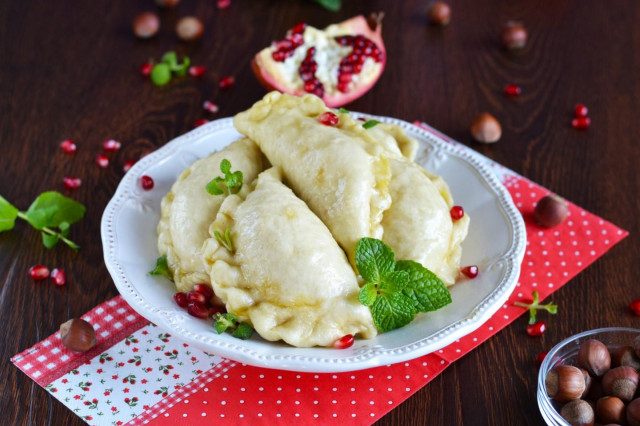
point(338, 64)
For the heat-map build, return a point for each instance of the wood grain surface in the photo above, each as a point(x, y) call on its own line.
point(69, 70)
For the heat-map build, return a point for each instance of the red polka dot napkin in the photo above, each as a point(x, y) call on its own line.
point(137, 374)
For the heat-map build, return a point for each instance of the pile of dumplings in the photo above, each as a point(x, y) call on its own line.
point(310, 193)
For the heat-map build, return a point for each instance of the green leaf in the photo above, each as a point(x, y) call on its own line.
point(182, 69)
point(368, 294)
point(374, 259)
point(371, 123)
point(392, 311)
point(243, 331)
point(161, 74)
point(424, 288)
point(332, 5)
point(8, 214)
point(225, 166)
point(213, 187)
point(162, 267)
point(64, 228)
point(234, 182)
point(394, 281)
point(171, 59)
point(343, 111)
point(222, 322)
point(51, 209)
point(50, 241)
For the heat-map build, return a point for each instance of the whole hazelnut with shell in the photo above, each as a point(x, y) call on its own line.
point(439, 13)
point(633, 412)
point(621, 382)
point(513, 35)
point(578, 412)
point(189, 28)
point(564, 383)
point(146, 25)
point(485, 128)
point(77, 335)
point(550, 211)
point(624, 355)
point(610, 409)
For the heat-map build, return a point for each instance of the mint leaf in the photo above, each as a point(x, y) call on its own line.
point(213, 187)
point(64, 228)
point(232, 181)
point(331, 5)
point(181, 70)
point(343, 111)
point(171, 59)
point(371, 123)
point(244, 331)
point(51, 209)
point(392, 311)
point(394, 281)
point(226, 240)
point(50, 241)
point(427, 291)
point(222, 322)
point(225, 166)
point(374, 259)
point(161, 74)
point(8, 214)
point(162, 267)
point(368, 294)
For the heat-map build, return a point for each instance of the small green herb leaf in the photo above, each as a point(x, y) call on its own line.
point(371, 123)
point(171, 59)
point(332, 5)
point(368, 294)
point(213, 187)
point(243, 331)
point(51, 209)
point(230, 184)
point(162, 267)
point(374, 259)
point(535, 306)
point(225, 241)
point(343, 111)
point(229, 322)
point(50, 241)
point(392, 311)
point(64, 228)
point(8, 214)
point(427, 291)
point(161, 74)
point(225, 166)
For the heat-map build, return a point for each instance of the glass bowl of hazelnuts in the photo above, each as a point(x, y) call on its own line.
point(592, 378)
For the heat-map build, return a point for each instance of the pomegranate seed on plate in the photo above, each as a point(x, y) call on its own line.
point(197, 70)
point(145, 69)
point(537, 328)
point(456, 212)
point(194, 296)
point(198, 310)
point(580, 110)
point(59, 276)
point(102, 161)
point(146, 182)
point(111, 145)
point(541, 356)
point(71, 183)
point(223, 4)
point(328, 119)
point(581, 123)
point(226, 82)
point(68, 146)
point(210, 106)
point(512, 90)
point(344, 342)
point(203, 289)
point(128, 164)
point(200, 122)
point(634, 306)
point(38, 272)
point(181, 299)
point(470, 271)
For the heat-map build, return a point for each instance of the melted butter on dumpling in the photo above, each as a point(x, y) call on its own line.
point(287, 276)
point(341, 172)
point(188, 210)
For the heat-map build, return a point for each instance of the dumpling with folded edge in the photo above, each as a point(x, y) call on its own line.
point(341, 172)
point(418, 225)
point(188, 210)
point(287, 276)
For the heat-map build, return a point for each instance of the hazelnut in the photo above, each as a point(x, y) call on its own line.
point(513, 35)
point(189, 28)
point(587, 382)
point(550, 211)
point(439, 13)
point(485, 128)
point(167, 3)
point(633, 412)
point(624, 355)
point(564, 383)
point(146, 25)
point(621, 382)
point(578, 412)
point(77, 335)
point(610, 409)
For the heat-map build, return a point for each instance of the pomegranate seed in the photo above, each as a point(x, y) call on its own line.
point(581, 123)
point(537, 328)
point(38, 272)
point(343, 87)
point(181, 299)
point(223, 4)
point(456, 212)
point(200, 122)
point(198, 310)
point(215, 309)
point(328, 119)
point(146, 182)
point(195, 297)
point(68, 146)
point(71, 183)
point(309, 86)
point(59, 276)
point(470, 271)
point(279, 56)
point(541, 356)
point(344, 342)
point(299, 28)
point(145, 69)
point(210, 106)
point(111, 145)
point(512, 90)
point(128, 164)
point(197, 71)
point(226, 82)
point(102, 161)
point(580, 110)
point(634, 306)
point(345, 78)
point(203, 289)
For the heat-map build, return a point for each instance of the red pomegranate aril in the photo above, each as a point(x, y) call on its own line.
point(102, 161)
point(111, 145)
point(344, 342)
point(306, 76)
point(127, 165)
point(194, 296)
point(536, 329)
point(223, 4)
point(284, 44)
point(145, 69)
point(226, 82)
point(71, 183)
point(456, 212)
point(512, 90)
point(59, 276)
point(38, 272)
point(580, 110)
point(470, 271)
point(309, 85)
point(68, 146)
point(198, 310)
point(345, 78)
point(203, 289)
point(279, 55)
point(581, 123)
point(197, 71)
point(328, 119)
point(299, 28)
point(181, 299)
point(343, 87)
point(540, 358)
point(634, 306)
point(296, 39)
point(210, 107)
point(146, 182)
point(200, 122)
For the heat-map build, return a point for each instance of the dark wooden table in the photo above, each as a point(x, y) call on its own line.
point(69, 70)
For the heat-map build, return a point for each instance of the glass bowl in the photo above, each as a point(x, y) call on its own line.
point(566, 353)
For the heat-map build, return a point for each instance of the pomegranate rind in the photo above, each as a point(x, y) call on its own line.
point(266, 73)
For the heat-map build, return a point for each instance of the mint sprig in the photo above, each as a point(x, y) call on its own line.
point(229, 322)
point(535, 306)
point(225, 241)
point(331, 5)
point(162, 267)
point(231, 183)
point(396, 291)
point(162, 72)
point(49, 211)
point(370, 123)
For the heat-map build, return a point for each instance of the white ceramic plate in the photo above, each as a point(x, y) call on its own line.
point(496, 243)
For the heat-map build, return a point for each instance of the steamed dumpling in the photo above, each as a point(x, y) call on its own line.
point(341, 172)
point(188, 210)
point(287, 275)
